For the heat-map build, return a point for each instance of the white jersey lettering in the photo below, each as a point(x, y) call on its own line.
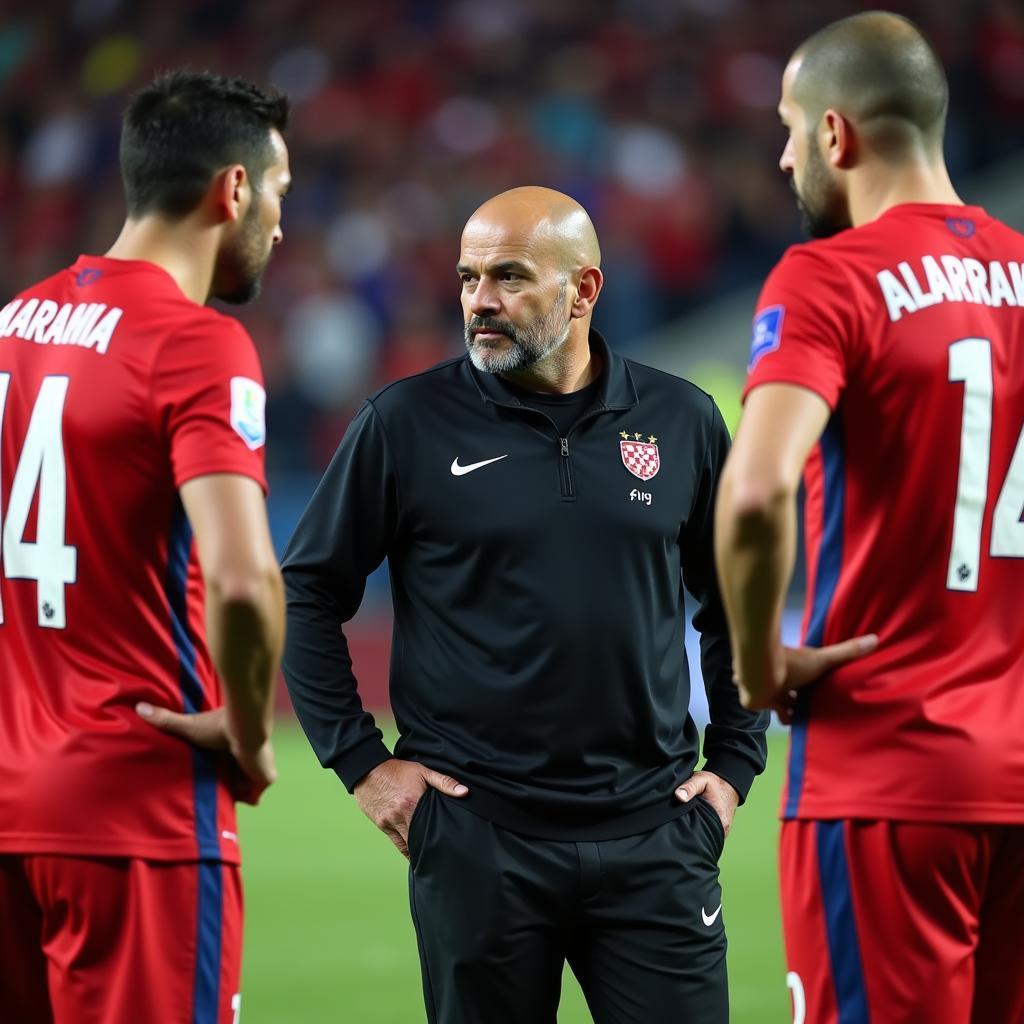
point(950, 279)
point(85, 324)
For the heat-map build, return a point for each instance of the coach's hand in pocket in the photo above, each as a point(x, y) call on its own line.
point(716, 791)
point(388, 796)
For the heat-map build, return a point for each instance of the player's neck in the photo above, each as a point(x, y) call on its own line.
point(877, 189)
point(186, 254)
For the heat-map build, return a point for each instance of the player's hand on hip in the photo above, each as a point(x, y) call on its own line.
point(716, 791)
point(389, 793)
point(208, 730)
point(802, 666)
point(805, 665)
point(256, 770)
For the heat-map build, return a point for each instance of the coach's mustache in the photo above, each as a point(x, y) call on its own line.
point(489, 323)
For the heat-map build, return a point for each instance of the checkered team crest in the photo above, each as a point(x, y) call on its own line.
point(640, 459)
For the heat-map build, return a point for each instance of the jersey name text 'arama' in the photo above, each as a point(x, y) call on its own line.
point(86, 324)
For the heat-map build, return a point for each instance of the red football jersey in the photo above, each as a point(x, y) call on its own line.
point(115, 389)
point(911, 328)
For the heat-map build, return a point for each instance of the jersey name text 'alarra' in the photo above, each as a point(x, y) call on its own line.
point(86, 324)
point(951, 279)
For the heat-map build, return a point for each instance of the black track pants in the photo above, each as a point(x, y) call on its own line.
point(498, 913)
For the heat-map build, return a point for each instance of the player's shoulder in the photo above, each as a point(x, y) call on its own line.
point(153, 304)
point(1004, 232)
point(211, 322)
point(818, 257)
point(44, 287)
point(17, 311)
point(153, 301)
point(890, 232)
point(823, 270)
point(188, 333)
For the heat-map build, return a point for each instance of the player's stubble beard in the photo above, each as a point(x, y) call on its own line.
point(528, 345)
point(240, 268)
point(822, 206)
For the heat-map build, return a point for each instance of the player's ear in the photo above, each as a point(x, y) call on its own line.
point(232, 191)
point(839, 139)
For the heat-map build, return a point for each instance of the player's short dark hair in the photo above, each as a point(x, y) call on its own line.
point(186, 126)
point(878, 68)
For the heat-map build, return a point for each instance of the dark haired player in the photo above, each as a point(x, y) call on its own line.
point(888, 368)
point(141, 613)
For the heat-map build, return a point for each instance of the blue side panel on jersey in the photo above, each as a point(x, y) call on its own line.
point(204, 772)
point(797, 757)
point(206, 990)
point(830, 563)
point(840, 925)
point(830, 554)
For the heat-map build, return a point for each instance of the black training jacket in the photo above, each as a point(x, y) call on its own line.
point(537, 583)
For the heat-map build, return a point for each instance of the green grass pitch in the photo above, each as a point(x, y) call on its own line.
point(328, 936)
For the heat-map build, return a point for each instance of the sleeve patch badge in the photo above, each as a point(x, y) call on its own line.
point(767, 333)
point(248, 411)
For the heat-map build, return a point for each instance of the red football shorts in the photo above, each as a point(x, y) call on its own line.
point(903, 923)
point(119, 941)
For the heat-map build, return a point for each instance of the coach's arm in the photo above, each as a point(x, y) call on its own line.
point(352, 522)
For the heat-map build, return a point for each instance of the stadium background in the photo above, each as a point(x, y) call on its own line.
point(658, 115)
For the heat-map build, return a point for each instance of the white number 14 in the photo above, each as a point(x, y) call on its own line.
point(970, 361)
point(47, 560)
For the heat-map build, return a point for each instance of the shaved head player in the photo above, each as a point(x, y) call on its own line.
point(134, 710)
point(888, 369)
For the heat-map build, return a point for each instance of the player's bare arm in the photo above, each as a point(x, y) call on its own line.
point(244, 621)
point(388, 796)
point(755, 544)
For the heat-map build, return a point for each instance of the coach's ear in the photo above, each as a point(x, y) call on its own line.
point(587, 290)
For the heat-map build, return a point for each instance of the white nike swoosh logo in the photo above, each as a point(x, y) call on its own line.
point(710, 920)
point(458, 470)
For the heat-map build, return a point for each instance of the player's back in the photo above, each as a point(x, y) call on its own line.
point(107, 376)
point(913, 517)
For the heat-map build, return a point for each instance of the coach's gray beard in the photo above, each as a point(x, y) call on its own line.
point(528, 345)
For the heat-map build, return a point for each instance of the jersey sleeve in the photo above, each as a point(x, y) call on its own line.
point(803, 326)
point(210, 401)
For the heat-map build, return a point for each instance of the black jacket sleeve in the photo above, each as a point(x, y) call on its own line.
point(343, 535)
point(735, 747)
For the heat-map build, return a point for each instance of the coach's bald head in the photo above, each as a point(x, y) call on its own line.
point(551, 225)
point(530, 269)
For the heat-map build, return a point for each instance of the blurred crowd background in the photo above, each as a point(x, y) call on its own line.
point(658, 115)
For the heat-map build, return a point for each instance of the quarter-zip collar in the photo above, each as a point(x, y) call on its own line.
point(616, 391)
